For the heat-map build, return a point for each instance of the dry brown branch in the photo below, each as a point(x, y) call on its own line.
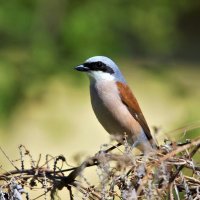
point(121, 174)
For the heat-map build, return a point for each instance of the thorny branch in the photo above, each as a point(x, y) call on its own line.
point(121, 174)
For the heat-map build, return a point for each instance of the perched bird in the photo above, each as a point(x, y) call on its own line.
point(114, 104)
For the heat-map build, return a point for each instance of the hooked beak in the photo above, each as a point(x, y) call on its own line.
point(82, 68)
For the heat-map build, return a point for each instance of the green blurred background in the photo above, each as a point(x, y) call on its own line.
point(44, 103)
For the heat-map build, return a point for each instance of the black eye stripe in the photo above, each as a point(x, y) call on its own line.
point(99, 66)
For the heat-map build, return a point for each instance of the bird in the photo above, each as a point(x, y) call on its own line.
point(114, 104)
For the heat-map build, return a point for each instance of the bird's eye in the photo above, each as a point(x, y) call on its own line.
point(99, 64)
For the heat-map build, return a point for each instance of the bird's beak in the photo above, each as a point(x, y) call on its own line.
point(82, 68)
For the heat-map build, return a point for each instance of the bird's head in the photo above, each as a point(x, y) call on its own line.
point(101, 68)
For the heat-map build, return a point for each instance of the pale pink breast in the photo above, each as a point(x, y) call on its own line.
point(111, 112)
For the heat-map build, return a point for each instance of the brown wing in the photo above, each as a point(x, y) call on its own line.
point(130, 101)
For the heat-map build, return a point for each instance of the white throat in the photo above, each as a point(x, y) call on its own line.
point(100, 76)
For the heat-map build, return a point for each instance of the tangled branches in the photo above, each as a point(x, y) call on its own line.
point(169, 173)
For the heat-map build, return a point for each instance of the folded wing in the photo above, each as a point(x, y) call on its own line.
point(130, 101)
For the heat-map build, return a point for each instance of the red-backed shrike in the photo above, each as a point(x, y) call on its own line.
point(114, 104)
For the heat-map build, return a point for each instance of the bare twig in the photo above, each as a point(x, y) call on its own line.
point(182, 166)
point(8, 159)
point(137, 177)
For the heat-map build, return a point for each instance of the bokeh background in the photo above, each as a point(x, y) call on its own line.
point(44, 103)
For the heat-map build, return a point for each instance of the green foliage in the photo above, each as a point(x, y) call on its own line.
point(44, 37)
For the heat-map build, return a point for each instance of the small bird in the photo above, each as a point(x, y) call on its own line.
point(114, 105)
